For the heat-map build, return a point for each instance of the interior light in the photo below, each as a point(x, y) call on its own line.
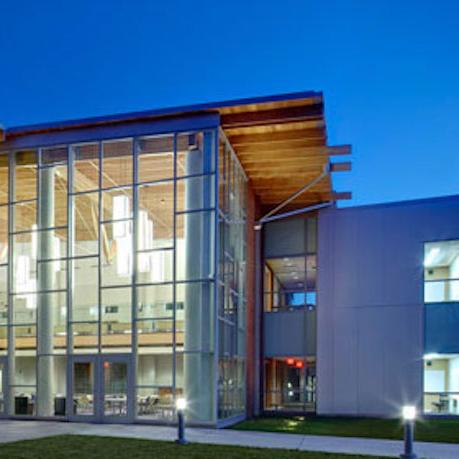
point(429, 259)
point(299, 364)
point(431, 356)
point(121, 210)
point(290, 361)
point(157, 267)
point(34, 240)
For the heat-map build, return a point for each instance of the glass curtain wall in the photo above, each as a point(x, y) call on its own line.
point(231, 283)
point(109, 247)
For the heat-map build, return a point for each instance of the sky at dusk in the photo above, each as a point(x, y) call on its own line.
point(389, 71)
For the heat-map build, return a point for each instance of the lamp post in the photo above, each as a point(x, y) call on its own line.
point(409, 415)
point(181, 404)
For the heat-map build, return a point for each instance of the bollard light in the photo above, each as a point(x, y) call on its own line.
point(409, 415)
point(181, 405)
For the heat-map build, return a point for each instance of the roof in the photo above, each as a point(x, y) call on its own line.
point(280, 141)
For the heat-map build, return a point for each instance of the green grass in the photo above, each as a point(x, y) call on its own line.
point(91, 447)
point(434, 430)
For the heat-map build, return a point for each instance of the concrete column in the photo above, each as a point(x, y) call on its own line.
point(45, 306)
point(198, 375)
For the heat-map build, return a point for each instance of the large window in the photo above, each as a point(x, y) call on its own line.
point(441, 272)
point(290, 265)
point(441, 384)
point(109, 248)
point(231, 283)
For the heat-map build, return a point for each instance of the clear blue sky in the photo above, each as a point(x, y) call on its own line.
point(389, 71)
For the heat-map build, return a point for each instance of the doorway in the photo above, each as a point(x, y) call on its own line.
point(101, 388)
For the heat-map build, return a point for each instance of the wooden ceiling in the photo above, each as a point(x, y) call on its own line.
point(282, 146)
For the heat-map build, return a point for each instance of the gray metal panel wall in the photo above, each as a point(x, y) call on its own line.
point(370, 303)
point(289, 333)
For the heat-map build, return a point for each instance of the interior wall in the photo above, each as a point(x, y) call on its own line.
point(370, 303)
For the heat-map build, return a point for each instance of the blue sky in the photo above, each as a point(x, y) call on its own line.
point(389, 71)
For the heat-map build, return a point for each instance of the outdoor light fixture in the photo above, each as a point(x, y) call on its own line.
point(409, 415)
point(181, 405)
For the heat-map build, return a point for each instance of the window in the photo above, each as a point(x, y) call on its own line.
point(441, 272)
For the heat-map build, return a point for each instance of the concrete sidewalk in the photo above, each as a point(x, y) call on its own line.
point(22, 430)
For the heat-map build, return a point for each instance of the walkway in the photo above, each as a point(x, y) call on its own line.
point(22, 430)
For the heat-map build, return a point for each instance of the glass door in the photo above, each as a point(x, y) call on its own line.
point(3, 386)
point(101, 388)
point(82, 388)
point(117, 388)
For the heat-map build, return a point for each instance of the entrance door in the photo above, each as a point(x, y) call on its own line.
point(101, 388)
point(3, 386)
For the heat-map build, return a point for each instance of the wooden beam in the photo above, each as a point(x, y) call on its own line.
point(338, 150)
point(274, 116)
point(308, 146)
point(342, 195)
point(341, 167)
point(282, 136)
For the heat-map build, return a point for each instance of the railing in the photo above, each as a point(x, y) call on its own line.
point(442, 403)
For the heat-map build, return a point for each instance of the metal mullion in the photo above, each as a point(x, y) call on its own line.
point(10, 313)
point(116, 286)
point(69, 263)
point(157, 249)
point(24, 201)
point(134, 339)
point(216, 272)
point(174, 275)
point(116, 187)
point(193, 211)
point(120, 220)
point(38, 299)
point(38, 230)
point(99, 245)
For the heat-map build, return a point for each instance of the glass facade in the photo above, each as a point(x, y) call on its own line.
point(115, 295)
point(232, 305)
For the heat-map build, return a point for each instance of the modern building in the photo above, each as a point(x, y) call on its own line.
point(198, 252)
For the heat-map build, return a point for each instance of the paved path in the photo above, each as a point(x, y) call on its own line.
point(21, 430)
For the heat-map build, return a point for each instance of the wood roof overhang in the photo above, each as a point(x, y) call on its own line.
point(280, 140)
point(282, 146)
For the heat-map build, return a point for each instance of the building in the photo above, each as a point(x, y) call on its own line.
point(198, 252)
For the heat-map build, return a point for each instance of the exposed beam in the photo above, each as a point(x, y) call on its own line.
point(342, 195)
point(305, 146)
point(282, 136)
point(343, 166)
point(338, 150)
point(275, 116)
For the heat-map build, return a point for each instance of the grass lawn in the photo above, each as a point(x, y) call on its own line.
point(436, 430)
point(86, 447)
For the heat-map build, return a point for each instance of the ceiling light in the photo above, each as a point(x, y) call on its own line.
point(432, 355)
point(429, 259)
